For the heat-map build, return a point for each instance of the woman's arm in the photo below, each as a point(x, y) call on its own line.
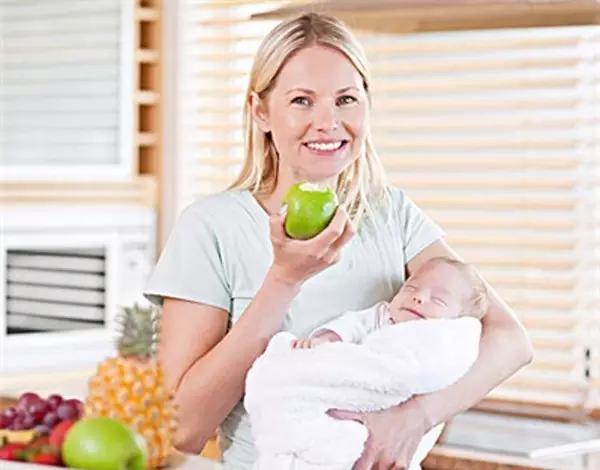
point(207, 366)
point(395, 433)
point(505, 348)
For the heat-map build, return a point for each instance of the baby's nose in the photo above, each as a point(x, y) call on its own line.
point(417, 299)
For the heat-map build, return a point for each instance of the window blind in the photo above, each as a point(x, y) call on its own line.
point(61, 75)
point(495, 134)
point(593, 281)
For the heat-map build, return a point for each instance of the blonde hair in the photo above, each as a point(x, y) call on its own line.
point(359, 186)
point(477, 304)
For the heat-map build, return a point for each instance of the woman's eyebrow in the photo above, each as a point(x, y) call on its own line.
point(348, 88)
point(302, 90)
point(312, 92)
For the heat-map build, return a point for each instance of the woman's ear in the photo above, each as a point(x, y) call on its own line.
point(259, 112)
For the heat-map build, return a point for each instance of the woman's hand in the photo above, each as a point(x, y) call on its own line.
point(394, 435)
point(295, 261)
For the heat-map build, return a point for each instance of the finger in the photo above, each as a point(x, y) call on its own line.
point(348, 415)
point(277, 228)
point(345, 237)
point(334, 230)
point(366, 460)
point(331, 257)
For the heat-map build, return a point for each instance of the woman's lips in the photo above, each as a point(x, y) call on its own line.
point(326, 148)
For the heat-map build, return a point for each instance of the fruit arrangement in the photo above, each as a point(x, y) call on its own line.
point(33, 430)
point(131, 387)
point(127, 420)
point(86, 443)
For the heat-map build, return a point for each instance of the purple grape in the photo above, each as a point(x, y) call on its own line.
point(26, 400)
point(54, 401)
point(7, 417)
point(28, 422)
point(5, 421)
point(9, 412)
point(51, 419)
point(68, 409)
point(38, 410)
point(18, 423)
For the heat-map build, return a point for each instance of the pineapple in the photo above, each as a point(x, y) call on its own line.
point(131, 387)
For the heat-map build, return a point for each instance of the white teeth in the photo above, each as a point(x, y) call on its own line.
point(327, 147)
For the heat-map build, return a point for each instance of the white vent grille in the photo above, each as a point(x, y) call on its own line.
point(55, 290)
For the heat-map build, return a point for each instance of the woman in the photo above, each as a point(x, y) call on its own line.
point(229, 278)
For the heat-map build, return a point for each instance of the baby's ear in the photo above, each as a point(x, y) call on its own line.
point(258, 109)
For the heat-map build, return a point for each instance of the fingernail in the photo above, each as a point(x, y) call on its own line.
point(283, 209)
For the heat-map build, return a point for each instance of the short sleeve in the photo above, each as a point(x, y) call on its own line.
point(418, 230)
point(190, 266)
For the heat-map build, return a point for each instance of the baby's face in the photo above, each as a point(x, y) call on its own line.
point(435, 292)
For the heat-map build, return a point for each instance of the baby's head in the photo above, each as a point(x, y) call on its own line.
point(442, 288)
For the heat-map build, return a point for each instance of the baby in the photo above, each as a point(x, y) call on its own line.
point(379, 358)
point(442, 288)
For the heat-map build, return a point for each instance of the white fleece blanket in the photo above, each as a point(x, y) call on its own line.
point(288, 391)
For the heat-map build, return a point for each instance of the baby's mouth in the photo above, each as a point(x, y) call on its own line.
point(413, 311)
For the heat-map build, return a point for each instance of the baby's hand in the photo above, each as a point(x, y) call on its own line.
point(308, 343)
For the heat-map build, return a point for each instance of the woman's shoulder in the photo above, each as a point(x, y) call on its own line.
point(397, 196)
point(389, 205)
point(215, 202)
point(215, 209)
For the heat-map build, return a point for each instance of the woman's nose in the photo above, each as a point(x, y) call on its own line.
point(325, 118)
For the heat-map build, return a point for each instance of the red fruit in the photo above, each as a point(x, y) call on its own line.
point(9, 412)
point(7, 417)
point(5, 420)
point(51, 419)
point(26, 400)
point(38, 410)
point(54, 401)
point(45, 458)
point(57, 435)
point(70, 409)
point(28, 422)
point(11, 451)
point(19, 421)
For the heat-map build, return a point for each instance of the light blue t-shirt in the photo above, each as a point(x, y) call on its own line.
point(219, 253)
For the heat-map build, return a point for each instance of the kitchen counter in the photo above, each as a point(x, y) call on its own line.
point(183, 463)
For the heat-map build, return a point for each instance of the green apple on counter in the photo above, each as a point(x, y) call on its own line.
point(101, 443)
point(310, 208)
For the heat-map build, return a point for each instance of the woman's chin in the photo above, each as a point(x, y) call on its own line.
point(327, 172)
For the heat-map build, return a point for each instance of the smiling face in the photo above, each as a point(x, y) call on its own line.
point(437, 291)
point(316, 113)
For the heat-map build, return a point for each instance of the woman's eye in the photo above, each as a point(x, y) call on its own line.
point(347, 99)
point(301, 100)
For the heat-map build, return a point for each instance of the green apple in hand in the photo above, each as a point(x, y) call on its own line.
point(310, 208)
point(99, 443)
